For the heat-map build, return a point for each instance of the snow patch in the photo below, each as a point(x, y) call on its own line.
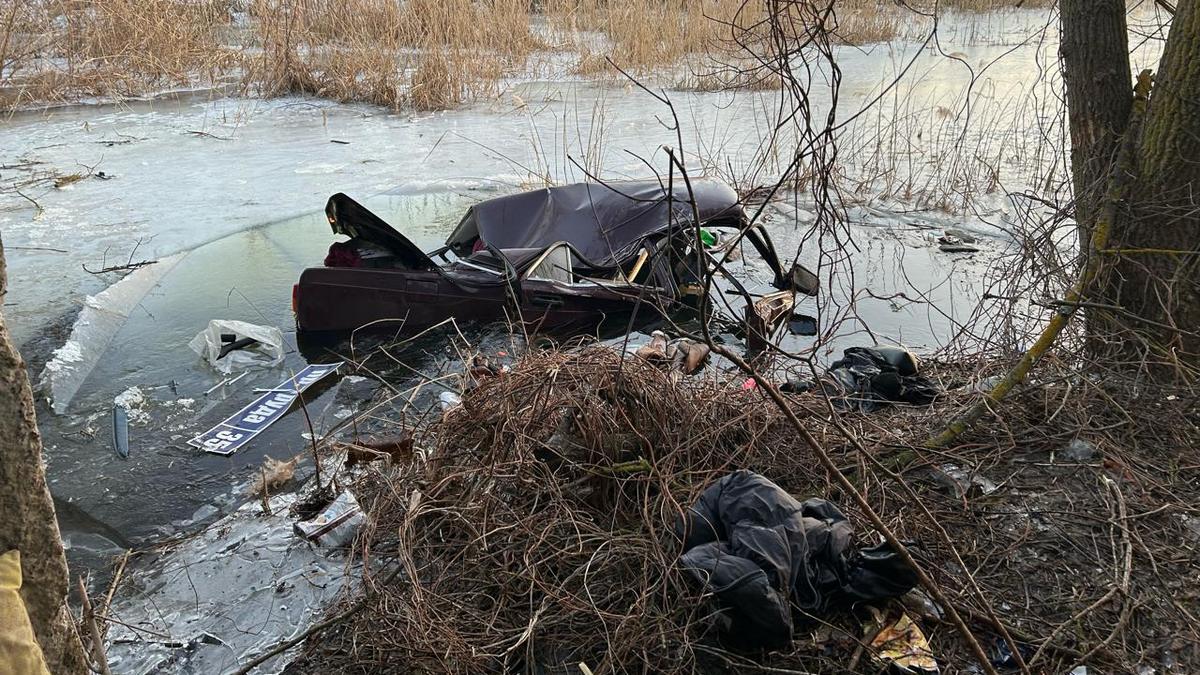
point(134, 403)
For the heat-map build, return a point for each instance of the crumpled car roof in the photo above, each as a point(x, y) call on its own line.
point(605, 223)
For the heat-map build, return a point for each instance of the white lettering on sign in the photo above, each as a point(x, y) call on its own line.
point(250, 421)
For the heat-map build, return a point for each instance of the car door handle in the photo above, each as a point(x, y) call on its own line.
point(545, 300)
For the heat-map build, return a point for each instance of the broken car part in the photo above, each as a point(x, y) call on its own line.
point(241, 427)
point(559, 259)
point(336, 525)
point(120, 431)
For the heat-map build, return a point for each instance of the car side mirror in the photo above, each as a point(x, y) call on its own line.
point(802, 280)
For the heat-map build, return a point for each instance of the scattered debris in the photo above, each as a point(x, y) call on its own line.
point(903, 645)
point(231, 380)
point(1003, 657)
point(449, 400)
point(241, 427)
point(273, 474)
point(685, 355)
point(802, 324)
point(481, 367)
point(336, 525)
point(654, 351)
point(957, 242)
point(264, 349)
point(745, 538)
point(1078, 450)
point(763, 317)
point(308, 506)
point(232, 345)
point(396, 448)
point(870, 378)
point(958, 248)
point(987, 384)
point(688, 356)
point(960, 482)
point(918, 602)
point(962, 235)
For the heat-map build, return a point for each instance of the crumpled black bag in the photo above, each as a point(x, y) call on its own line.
point(766, 556)
point(870, 378)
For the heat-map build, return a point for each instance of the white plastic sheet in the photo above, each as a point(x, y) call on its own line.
point(268, 352)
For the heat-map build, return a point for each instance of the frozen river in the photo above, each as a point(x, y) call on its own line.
point(226, 193)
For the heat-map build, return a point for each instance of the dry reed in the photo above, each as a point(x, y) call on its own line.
point(423, 54)
point(62, 50)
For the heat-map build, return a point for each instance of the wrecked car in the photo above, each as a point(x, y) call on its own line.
point(562, 259)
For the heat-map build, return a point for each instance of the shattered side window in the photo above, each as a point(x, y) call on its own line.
point(554, 265)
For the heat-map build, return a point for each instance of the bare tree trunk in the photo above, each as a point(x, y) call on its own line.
point(1144, 309)
point(28, 523)
point(1095, 62)
point(1095, 59)
point(1151, 270)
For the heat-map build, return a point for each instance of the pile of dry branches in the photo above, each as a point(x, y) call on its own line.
point(537, 533)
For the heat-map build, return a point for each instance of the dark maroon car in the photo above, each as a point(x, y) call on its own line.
point(561, 260)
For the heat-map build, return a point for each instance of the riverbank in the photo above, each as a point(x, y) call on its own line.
point(532, 527)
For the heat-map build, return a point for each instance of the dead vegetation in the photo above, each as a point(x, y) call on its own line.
point(415, 53)
point(421, 54)
point(54, 51)
point(536, 533)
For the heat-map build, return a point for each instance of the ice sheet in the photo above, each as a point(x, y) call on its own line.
point(216, 600)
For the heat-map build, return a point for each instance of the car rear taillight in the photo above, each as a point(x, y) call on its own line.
point(296, 299)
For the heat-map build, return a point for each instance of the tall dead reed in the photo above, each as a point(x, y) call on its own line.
point(424, 54)
point(421, 53)
point(60, 50)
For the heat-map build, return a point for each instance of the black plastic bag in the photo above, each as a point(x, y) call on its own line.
point(766, 557)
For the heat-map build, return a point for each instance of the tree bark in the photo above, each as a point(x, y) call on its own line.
point(1144, 309)
point(1151, 269)
point(28, 522)
point(1095, 59)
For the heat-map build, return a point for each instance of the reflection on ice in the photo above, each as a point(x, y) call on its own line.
point(103, 315)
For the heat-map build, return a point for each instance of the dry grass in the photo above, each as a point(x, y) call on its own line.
point(652, 34)
point(60, 50)
point(424, 54)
